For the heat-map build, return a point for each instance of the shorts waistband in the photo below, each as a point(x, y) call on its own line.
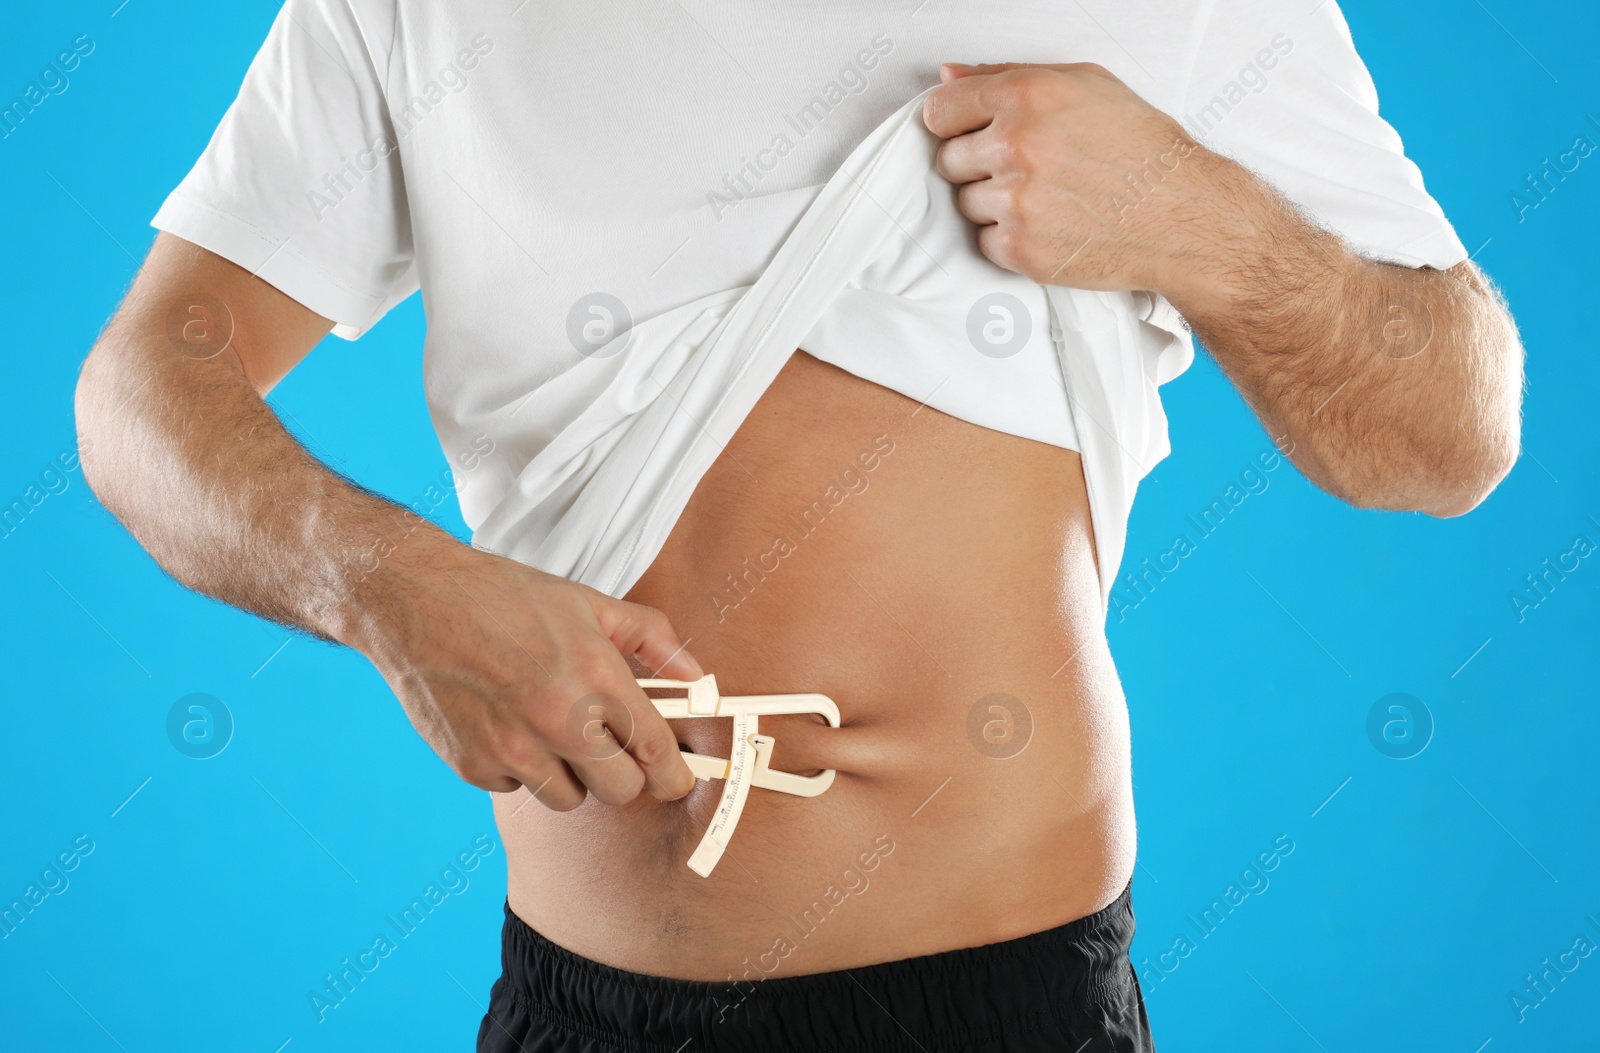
point(934, 1002)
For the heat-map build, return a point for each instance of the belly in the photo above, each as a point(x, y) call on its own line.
point(936, 580)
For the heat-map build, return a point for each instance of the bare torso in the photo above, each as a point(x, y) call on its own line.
point(950, 563)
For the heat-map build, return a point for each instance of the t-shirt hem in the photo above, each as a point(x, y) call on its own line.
point(277, 262)
point(1440, 249)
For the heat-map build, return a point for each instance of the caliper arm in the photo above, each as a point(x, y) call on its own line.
point(749, 762)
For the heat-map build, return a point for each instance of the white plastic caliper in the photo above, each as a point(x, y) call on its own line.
point(750, 758)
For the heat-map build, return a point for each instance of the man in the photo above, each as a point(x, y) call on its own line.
point(903, 519)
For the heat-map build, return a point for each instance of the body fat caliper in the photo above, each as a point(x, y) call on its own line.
point(749, 759)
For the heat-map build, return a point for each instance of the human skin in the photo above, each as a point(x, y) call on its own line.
point(963, 569)
point(1396, 387)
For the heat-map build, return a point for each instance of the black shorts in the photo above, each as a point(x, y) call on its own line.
point(1071, 989)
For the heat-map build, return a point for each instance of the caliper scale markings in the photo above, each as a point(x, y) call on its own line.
point(749, 762)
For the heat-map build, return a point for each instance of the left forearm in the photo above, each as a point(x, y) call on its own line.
point(1398, 387)
point(1394, 387)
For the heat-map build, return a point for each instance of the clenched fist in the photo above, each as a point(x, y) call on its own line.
point(1075, 180)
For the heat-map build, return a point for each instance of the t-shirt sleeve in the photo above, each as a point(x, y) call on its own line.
point(301, 183)
point(1283, 92)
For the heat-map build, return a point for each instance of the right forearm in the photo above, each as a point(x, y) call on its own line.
point(199, 469)
point(491, 658)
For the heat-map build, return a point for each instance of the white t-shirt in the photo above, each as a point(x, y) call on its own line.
point(559, 177)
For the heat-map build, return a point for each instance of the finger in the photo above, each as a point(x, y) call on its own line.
point(553, 785)
point(969, 100)
point(967, 158)
point(635, 629)
point(958, 107)
point(614, 779)
point(594, 726)
point(493, 783)
point(998, 243)
point(615, 771)
point(983, 202)
point(955, 70)
point(619, 743)
point(654, 748)
point(557, 789)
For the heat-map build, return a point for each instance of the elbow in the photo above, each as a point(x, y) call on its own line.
point(96, 402)
point(1446, 452)
point(86, 397)
point(1440, 483)
point(1453, 484)
point(1487, 444)
point(1471, 482)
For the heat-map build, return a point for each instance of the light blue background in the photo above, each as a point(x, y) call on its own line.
point(1419, 893)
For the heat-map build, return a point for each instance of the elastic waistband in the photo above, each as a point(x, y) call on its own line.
point(936, 1002)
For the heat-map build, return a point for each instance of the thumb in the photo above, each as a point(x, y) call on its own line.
point(635, 629)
